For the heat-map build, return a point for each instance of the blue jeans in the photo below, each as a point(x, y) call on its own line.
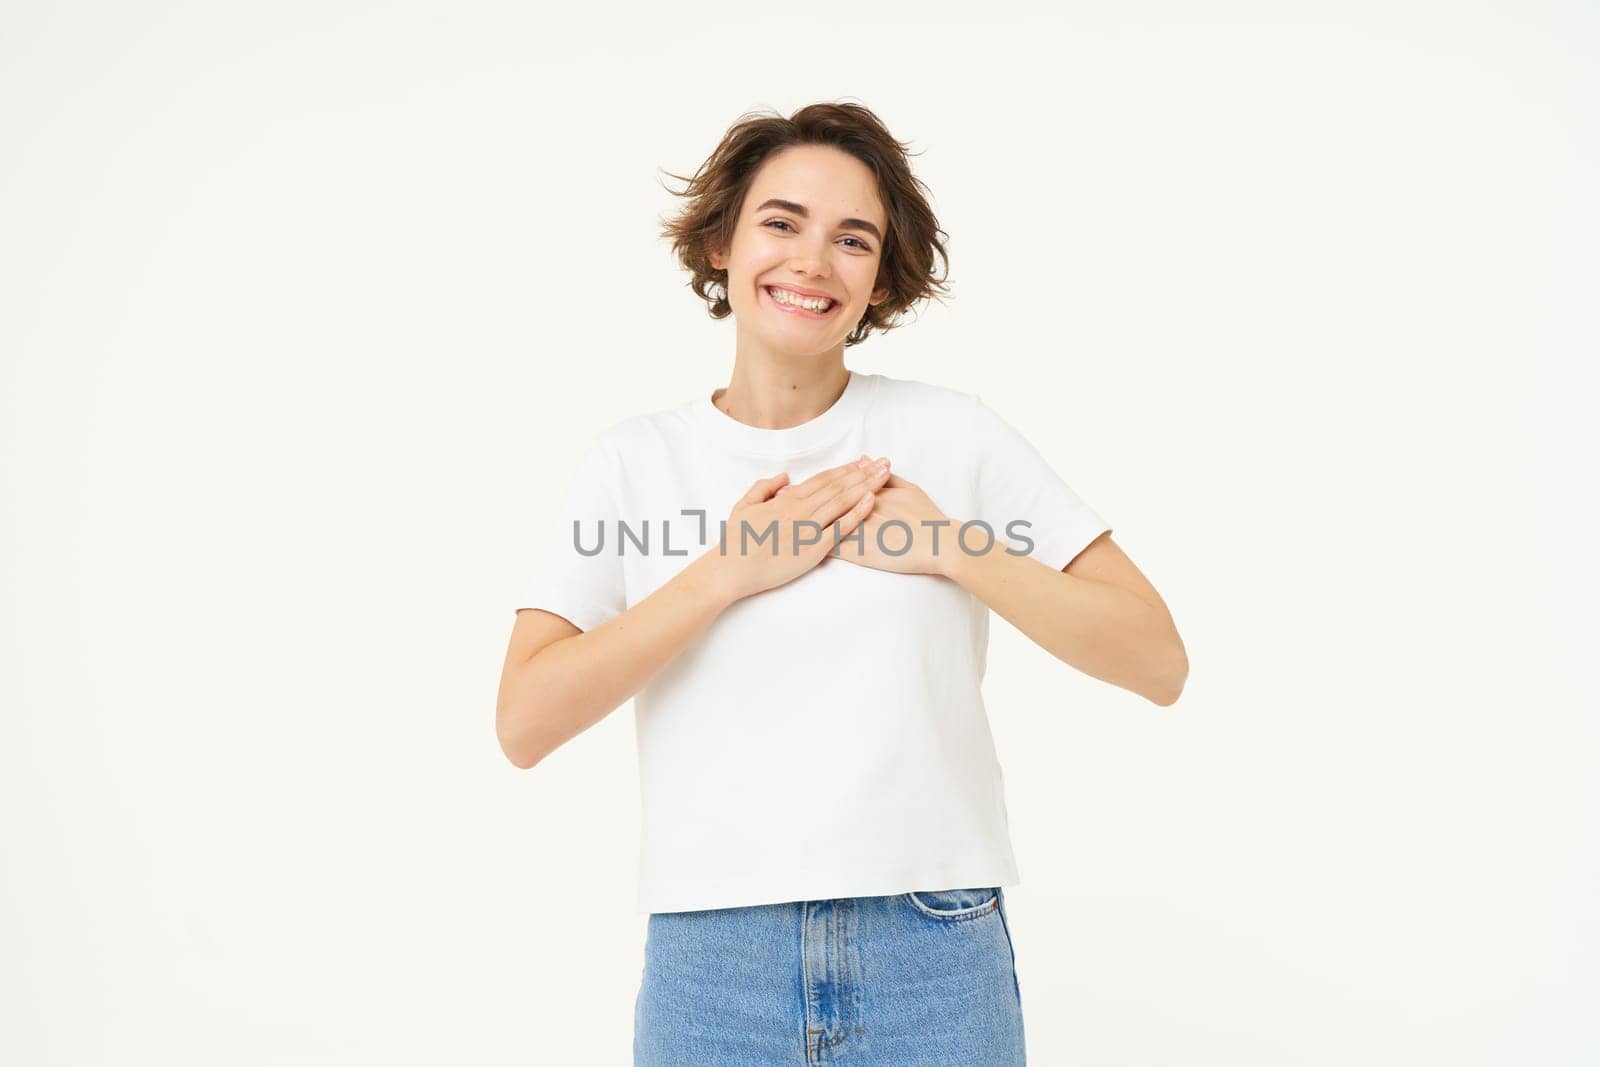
point(915, 978)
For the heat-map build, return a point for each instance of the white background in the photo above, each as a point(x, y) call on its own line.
point(307, 309)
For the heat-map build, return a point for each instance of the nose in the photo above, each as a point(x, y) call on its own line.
point(810, 260)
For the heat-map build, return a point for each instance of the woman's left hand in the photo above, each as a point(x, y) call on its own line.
point(897, 502)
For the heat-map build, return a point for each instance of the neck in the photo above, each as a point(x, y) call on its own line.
point(777, 395)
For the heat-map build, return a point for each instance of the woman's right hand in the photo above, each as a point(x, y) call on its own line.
point(842, 493)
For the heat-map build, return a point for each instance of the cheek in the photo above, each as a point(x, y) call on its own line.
point(864, 278)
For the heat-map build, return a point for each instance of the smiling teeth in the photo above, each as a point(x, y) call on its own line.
point(810, 303)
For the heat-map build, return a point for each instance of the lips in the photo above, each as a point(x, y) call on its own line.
point(789, 309)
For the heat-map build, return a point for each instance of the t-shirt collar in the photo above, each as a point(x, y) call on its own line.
point(817, 433)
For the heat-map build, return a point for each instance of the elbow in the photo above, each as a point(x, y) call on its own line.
point(1166, 697)
point(520, 719)
point(520, 761)
point(1172, 678)
point(515, 748)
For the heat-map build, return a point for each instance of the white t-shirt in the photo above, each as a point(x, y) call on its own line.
point(827, 737)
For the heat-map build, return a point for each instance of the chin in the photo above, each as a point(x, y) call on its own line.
point(795, 348)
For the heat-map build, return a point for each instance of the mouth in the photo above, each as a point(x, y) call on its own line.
point(802, 312)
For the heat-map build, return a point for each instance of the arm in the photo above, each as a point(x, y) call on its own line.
point(1098, 614)
point(559, 680)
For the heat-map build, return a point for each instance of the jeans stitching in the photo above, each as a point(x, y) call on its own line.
point(976, 911)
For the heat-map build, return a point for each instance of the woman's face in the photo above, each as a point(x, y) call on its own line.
point(811, 223)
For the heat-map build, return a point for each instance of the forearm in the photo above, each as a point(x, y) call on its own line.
point(574, 683)
point(1101, 629)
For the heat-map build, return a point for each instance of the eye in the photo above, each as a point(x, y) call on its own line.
point(788, 227)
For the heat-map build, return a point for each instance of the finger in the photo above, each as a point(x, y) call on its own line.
point(829, 506)
point(833, 477)
point(897, 482)
point(852, 478)
point(823, 478)
point(858, 514)
point(849, 521)
point(845, 497)
point(764, 488)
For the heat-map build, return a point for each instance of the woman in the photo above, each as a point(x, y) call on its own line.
point(824, 835)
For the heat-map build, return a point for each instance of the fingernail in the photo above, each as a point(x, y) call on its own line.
point(863, 462)
point(883, 464)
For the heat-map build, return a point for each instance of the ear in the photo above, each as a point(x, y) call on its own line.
point(878, 296)
point(719, 258)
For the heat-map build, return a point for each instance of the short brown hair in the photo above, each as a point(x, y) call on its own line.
point(717, 190)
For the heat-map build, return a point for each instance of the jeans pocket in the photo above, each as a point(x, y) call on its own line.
point(951, 905)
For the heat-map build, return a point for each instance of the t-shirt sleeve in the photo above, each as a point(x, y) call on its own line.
point(1015, 482)
point(570, 578)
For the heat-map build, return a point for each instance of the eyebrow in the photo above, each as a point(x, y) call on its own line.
point(800, 209)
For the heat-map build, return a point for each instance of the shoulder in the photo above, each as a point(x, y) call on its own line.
point(647, 432)
point(913, 391)
point(922, 409)
point(921, 398)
